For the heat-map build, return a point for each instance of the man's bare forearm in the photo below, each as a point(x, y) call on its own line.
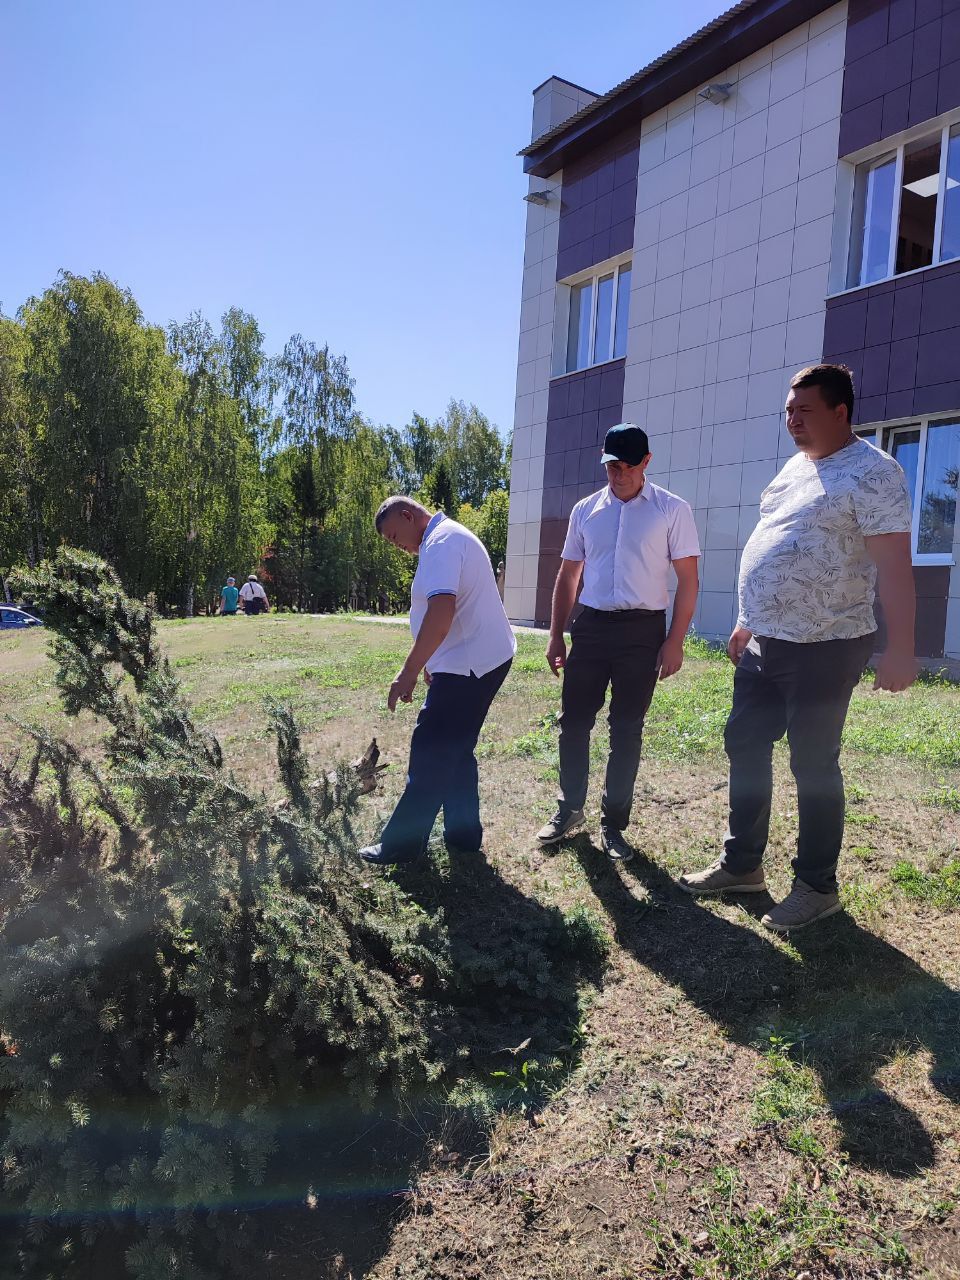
point(564, 594)
point(684, 606)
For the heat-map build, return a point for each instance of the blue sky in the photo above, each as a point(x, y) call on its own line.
point(343, 170)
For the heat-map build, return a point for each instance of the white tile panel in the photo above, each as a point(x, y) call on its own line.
point(693, 326)
point(785, 119)
point(770, 304)
point(825, 53)
point(788, 74)
point(684, 484)
point(727, 446)
point(739, 270)
point(811, 243)
point(663, 375)
point(761, 438)
point(733, 357)
point(815, 196)
point(736, 313)
point(781, 165)
point(745, 179)
point(703, 202)
point(673, 214)
point(774, 257)
point(819, 148)
point(679, 134)
point(685, 454)
point(731, 400)
point(750, 135)
point(778, 212)
point(724, 483)
point(719, 568)
point(804, 340)
point(639, 343)
point(664, 341)
point(695, 287)
point(636, 381)
point(808, 291)
point(821, 100)
point(767, 348)
point(666, 301)
point(715, 614)
point(756, 476)
point(670, 256)
point(743, 227)
point(766, 392)
point(722, 528)
point(749, 517)
point(691, 367)
point(688, 407)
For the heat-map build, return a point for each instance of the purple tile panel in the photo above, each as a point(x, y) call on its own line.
point(902, 67)
point(597, 205)
point(580, 408)
point(902, 340)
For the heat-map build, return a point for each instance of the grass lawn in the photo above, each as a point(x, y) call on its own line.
point(733, 1105)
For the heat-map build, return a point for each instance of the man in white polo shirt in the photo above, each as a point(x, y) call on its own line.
point(464, 646)
point(623, 541)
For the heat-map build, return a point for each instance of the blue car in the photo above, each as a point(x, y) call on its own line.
point(13, 619)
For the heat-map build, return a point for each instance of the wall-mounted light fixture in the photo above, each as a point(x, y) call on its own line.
point(716, 93)
point(538, 197)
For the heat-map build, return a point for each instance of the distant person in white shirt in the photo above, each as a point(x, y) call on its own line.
point(464, 646)
point(834, 531)
point(623, 541)
point(254, 597)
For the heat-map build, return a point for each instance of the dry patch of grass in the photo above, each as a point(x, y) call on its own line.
point(727, 1103)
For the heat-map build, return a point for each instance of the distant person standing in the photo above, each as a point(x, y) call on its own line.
point(834, 532)
point(254, 597)
point(229, 599)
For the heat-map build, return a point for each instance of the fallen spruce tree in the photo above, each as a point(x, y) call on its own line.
point(177, 955)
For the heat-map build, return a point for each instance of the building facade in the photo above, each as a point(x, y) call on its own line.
point(781, 188)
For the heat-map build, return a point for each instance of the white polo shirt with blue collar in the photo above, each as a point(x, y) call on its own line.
point(627, 547)
point(453, 561)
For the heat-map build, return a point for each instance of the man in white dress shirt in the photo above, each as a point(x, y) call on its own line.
point(464, 645)
point(623, 542)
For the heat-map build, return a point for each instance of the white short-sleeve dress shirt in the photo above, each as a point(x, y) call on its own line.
point(627, 547)
point(453, 561)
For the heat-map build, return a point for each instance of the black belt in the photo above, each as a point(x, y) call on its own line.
point(622, 613)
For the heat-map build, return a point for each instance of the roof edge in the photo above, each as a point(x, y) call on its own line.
point(729, 38)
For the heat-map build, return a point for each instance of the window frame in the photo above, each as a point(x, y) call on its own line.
point(869, 158)
point(592, 275)
point(885, 431)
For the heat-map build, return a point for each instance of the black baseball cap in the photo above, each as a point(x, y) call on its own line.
point(625, 442)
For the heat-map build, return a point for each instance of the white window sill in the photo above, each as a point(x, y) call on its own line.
point(931, 561)
point(586, 368)
point(903, 275)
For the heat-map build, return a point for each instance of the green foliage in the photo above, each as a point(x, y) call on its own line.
point(788, 1091)
point(185, 456)
point(177, 950)
point(489, 523)
point(939, 888)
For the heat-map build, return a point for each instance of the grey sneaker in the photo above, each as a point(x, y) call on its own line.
point(717, 880)
point(560, 826)
point(801, 906)
point(614, 845)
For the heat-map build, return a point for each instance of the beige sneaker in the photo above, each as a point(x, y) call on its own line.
point(560, 826)
point(801, 906)
point(716, 880)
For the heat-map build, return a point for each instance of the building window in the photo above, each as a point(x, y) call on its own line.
point(906, 208)
point(929, 452)
point(599, 307)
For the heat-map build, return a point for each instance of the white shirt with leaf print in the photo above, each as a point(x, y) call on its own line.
point(805, 574)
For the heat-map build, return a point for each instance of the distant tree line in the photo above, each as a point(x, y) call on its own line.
point(183, 454)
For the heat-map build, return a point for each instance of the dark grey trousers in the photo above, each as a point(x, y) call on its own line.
point(803, 691)
point(616, 649)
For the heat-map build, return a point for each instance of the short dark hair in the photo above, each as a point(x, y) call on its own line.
point(834, 380)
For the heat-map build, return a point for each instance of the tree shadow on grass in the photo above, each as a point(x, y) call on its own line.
point(848, 1001)
point(517, 970)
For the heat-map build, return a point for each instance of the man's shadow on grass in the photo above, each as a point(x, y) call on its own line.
point(849, 1001)
point(507, 1026)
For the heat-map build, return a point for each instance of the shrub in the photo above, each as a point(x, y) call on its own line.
point(176, 954)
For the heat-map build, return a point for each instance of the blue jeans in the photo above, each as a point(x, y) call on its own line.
point(442, 773)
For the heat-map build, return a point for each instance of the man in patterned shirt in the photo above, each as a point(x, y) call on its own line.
point(834, 532)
